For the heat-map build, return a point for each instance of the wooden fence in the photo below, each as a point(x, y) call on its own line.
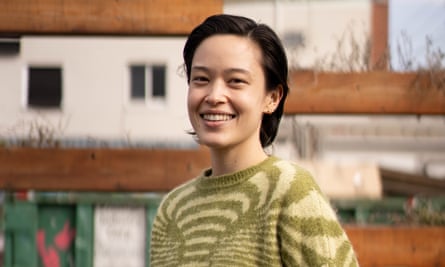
point(401, 246)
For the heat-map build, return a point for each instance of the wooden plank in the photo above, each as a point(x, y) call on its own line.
point(405, 184)
point(366, 93)
point(117, 170)
point(398, 246)
point(129, 17)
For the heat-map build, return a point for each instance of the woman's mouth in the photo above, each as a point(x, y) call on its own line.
point(217, 117)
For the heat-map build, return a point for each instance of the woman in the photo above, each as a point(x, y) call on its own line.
point(249, 208)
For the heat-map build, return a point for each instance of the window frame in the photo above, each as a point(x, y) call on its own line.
point(150, 99)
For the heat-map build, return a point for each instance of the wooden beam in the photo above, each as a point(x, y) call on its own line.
point(366, 93)
point(111, 170)
point(405, 184)
point(99, 17)
point(398, 246)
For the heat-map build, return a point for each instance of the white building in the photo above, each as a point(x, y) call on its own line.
point(92, 93)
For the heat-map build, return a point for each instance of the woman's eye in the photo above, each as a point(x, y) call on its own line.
point(237, 81)
point(200, 79)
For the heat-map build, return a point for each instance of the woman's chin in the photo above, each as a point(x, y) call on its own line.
point(216, 143)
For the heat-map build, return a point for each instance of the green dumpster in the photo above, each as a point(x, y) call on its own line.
point(58, 229)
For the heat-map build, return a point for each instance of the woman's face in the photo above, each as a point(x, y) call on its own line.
point(227, 94)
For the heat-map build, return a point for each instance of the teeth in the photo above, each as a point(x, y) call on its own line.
point(217, 117)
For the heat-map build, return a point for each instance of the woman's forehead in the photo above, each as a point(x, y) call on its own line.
point(232, 51)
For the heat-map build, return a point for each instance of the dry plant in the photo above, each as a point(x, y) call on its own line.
point(434, 61)
point(405, 52)
point(435, 69)
point(38, 132)
point(351, 54)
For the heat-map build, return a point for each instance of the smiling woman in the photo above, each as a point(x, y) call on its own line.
point(248, 208)
point(227, 99)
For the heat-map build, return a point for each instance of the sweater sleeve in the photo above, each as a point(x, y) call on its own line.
point(309, 231)
point(164, 250)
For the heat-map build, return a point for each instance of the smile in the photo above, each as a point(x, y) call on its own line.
point(217, 117)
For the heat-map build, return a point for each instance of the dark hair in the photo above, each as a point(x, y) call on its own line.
point(274, 61)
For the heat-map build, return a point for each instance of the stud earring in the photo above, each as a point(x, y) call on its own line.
point(268, 111)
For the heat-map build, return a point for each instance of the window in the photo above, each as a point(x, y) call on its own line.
point(44, 87)
point(147, 82)
point(9, 46)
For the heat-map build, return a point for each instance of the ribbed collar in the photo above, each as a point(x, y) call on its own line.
point(205, 182)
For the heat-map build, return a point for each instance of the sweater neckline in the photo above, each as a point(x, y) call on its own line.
point(206, 182)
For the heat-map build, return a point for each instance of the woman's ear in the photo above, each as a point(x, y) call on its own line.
point(273, 99)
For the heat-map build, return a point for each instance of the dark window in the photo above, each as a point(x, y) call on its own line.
point(158, 81)
point(137, 82)
point(45, 87)
point(147, 81)
point(9, 46)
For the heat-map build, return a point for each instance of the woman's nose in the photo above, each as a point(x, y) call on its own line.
point(215, 94)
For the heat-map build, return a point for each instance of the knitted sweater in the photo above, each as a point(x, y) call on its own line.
point(271, 214)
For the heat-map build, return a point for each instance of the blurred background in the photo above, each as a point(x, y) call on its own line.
point(366, 114)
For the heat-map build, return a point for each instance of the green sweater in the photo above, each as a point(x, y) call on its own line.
point(271, 214)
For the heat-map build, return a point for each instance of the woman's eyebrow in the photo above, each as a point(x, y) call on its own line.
point(231, 70)
point(200, 68)
point(226, 72)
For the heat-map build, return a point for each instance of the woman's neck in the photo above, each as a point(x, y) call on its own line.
point(229, 160)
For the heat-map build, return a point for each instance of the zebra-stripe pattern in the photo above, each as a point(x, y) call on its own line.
point(272, 214)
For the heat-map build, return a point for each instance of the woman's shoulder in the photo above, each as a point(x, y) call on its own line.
point(295, 179)
point(290, 170)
